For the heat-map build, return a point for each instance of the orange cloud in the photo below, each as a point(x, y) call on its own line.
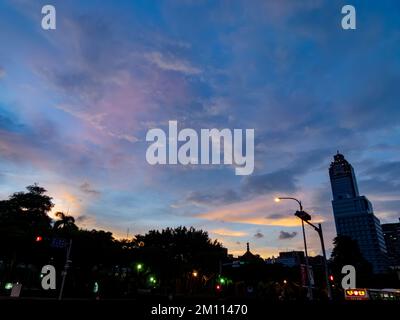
point(228, 233)
point(253, 211)
point(66, 202)
point(257, 211)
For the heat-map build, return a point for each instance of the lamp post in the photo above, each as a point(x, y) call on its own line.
point(310, 293)
point(305, 217)
point(321, 238)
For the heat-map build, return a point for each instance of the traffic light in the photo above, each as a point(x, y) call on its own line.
point(222, 280)
point(152, 280)
point(39, 239)
point(303, 215)
point(8, 286)
point(221, 283)
point(331, 278)
point(139, 267)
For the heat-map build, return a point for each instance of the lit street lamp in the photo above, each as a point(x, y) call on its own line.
point(310, 294)
point(321, 238)
point(305, 217)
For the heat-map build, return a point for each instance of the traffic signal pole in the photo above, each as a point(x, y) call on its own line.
point(309, 287)
point(321, 238)
point(305, 217)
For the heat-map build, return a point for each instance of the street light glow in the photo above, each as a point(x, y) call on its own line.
point(305, 217)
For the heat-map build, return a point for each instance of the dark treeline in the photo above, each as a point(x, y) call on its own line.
point(172, 261)
point(158, 260)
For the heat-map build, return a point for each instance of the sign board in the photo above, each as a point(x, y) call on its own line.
point(58, 243)
point(356, 294)
point(305, 277)
point(16, 290)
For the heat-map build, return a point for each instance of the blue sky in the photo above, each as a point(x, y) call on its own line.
point(76, 103)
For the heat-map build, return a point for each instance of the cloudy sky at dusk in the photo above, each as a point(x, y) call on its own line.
point(76, 104)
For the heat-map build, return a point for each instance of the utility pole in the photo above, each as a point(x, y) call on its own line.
point(65, 271)
point(309, 285)
point(305, 217)
point(321, 238)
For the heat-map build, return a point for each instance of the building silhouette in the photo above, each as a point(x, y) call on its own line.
point(249, 257)
point(391, 232)
point(354, 216)
point(291, 258)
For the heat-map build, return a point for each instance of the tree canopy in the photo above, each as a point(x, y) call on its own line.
point(347, 252)
point(30, 237)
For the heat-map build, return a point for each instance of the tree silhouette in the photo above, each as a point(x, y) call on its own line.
point(64, 223)
point(175, 253)
point(347, 252)
point(24, 217)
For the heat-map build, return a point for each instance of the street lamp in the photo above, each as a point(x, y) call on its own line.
point(321, 238)
point(278, 199)
point(305, 217)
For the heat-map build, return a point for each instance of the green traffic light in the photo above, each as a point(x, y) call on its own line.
point(139, 266)
point(8, 286)
point(222, 280)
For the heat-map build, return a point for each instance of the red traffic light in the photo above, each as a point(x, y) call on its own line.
point(218, 287)
point(331, 277)
point(39, 238)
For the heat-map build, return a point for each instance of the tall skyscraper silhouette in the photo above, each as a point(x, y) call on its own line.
point(354, 216)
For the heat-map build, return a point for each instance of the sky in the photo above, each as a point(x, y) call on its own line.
point(76, 104)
